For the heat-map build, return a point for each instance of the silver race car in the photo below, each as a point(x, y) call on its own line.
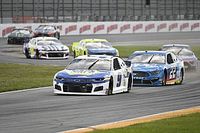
point(183, 52)
point(45, 47)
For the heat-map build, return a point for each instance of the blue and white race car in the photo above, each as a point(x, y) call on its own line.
point(156, 68)
point(94, 75)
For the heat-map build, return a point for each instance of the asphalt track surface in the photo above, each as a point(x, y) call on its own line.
point(40, 111)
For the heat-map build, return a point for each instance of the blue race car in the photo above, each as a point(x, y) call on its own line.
point(94, 75)
point(156, 68)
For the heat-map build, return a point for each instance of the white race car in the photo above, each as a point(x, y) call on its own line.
point(45, 47)
point(94, 75)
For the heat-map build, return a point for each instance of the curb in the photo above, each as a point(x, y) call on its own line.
point(138, 120)
point(18, 91)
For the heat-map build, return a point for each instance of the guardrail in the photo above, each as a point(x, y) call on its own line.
point(116, 27)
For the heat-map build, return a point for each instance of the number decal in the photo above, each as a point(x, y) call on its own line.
point(119, 80)
point(172, 73)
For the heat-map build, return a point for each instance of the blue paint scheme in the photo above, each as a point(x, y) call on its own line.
point(155, 73)
point(96, 77)
point(107, 51)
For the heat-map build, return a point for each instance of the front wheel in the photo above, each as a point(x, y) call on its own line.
point(27, 54)
point(110, 89)
point(74, 54)
point(164, 79)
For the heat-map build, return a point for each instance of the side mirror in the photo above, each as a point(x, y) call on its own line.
point(128, 63)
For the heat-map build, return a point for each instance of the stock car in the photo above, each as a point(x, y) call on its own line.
point(184, 53)
point(19, 36)
point(93, 47)
point(47, 30)
point(94, 75)
point(46, 48)
point(156, 68)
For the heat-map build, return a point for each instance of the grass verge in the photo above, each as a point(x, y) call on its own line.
point(125, 51)
point(18, 77)
point(183, 124)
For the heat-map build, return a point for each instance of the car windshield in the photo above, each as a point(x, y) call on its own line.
point(46, 27)
point(21, 33)
point(47, 41)
point(97, 45)
point(147, 58)
point(170, 47)
point(89, 64)
point(181, 51)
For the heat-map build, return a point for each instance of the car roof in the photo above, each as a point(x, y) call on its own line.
point(151, 52)
point(106, 57)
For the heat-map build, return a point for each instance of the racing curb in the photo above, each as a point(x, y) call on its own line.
point(138, 120)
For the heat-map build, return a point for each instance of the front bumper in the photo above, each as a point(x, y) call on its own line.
point(54, 54)
point(72, 88)
point(144, 78)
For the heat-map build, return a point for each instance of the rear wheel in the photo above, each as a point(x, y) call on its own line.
point(129, 84)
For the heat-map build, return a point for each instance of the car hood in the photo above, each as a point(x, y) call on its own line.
point(146, 67)
point(82, 74)
point(52, 47)
point(109, 51)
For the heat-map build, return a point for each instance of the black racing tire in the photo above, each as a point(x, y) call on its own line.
point(129, 84)
point(84, 53)
point(9, 42)
point(37, 55)
point(164, 81)
point(27, 54)
point(57, 35)
point(181, 75)
point(110, 89)
point(74, 54)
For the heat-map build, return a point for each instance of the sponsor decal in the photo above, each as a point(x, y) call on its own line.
point(149, 27)
point(161, 26)
point(112, 27)
point(194, 26)
point(124, 27)
point(70, 29)
point(7, 30)
point(173, 26)
point(84, 28)
point(82, 72)
point(184, 26)
point(98, 28)
point(137, 27)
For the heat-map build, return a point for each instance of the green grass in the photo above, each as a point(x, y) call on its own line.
point(184, 124)
point(17, 77)
point(196, 50)
point(125, 51)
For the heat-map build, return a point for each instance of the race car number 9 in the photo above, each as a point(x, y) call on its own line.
point(119, 80)
point(172, 74)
